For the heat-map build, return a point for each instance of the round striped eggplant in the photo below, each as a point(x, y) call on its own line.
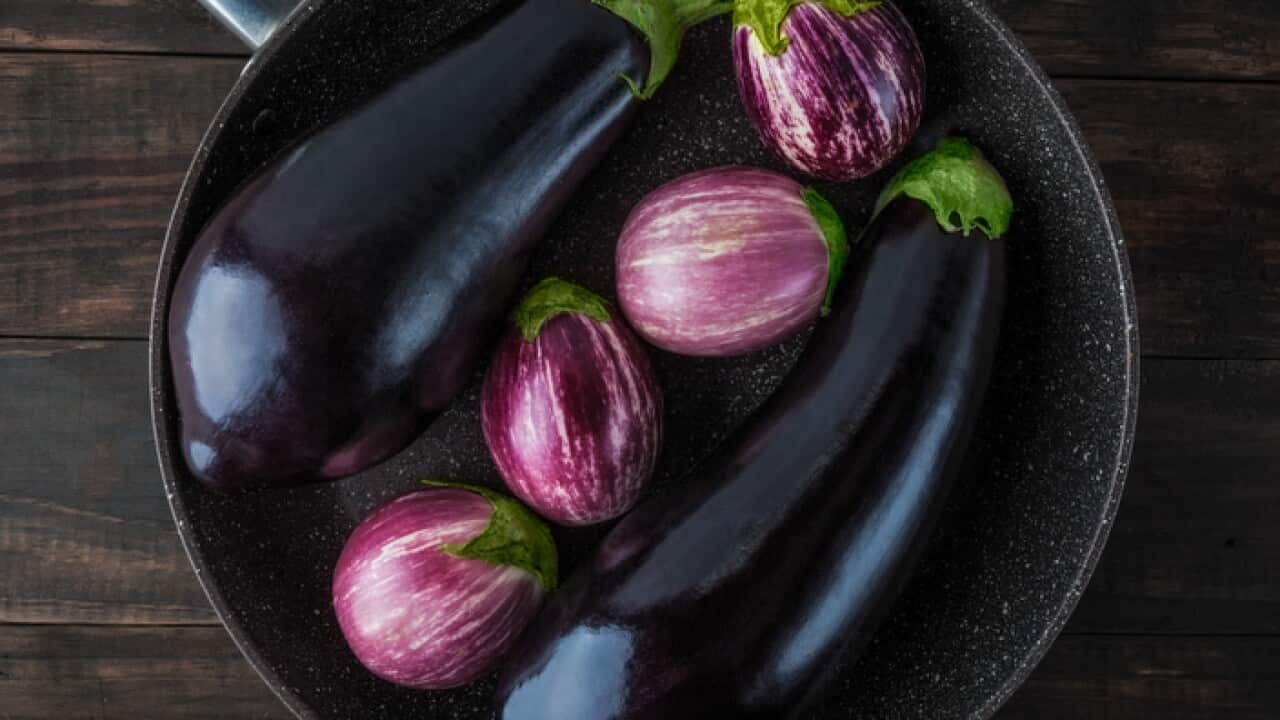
point(727, 261)
point(434, 587)
point(571, 408)
point(835, 87)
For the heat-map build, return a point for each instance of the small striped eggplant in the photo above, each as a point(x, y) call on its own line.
point(834, 87)
point(728, 261)
point(571, 408)
point(434, 587)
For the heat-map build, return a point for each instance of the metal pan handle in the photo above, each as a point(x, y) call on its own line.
point(252, 21)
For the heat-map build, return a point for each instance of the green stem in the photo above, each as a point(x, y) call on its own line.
point(837, 241)
point(514, 536)
point(955, 180)
point(663, 23)
point(765, 17)
point(552, 297)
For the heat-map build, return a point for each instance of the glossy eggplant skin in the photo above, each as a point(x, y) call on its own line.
point(344, 295)
point(732, 596)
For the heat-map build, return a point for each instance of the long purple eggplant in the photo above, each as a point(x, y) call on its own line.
point(342, 296)
point(834, 87)
point(734, 595)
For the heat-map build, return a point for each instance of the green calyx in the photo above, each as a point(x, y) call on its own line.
point(514, 536)
point(836, 239)
point(663, 23)
point(963, 189)
point(765, 17)
point(552, 297)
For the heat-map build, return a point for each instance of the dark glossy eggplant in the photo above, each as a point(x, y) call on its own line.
point(342, 297)
point(731, 597)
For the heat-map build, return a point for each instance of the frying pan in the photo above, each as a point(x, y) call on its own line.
point(1030, 514)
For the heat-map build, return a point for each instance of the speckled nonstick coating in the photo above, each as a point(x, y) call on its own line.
point(1028, 519)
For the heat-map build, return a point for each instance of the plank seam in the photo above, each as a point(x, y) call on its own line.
point(1170, 635)
point(76, 338)
point(1056, 76)
point(138, 53)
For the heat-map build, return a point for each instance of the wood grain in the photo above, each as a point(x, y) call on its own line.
point(193, 673)
point(1184, 162)
point(1121, 677)
point(1196, 546)
point(92, 150)
point(86, 184)
point(76, 672)
point(181, 26)
point(85, 532)
point(1205, 39)
point(1135, 38)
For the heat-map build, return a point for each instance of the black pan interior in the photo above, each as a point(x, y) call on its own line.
point(1023, 529)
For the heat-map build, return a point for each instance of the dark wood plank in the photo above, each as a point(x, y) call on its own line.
point(85, 533)
point(1196, 547)
point(92, 150)
point(94, 673)
point(1136, 38)
point(1207, 39)
point(84, 197)
point(119, 26)
point(1184, 162)
point(1140, 678)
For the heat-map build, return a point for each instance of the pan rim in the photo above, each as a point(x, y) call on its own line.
point(157, 348)
point(158, 378)
point(1128, 424)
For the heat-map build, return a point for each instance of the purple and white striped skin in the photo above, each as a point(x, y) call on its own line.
point(722, 262)
point(845, 95)
point(573, 418)
point(417, 616)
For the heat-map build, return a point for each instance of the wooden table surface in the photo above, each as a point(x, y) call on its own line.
point(103, 101)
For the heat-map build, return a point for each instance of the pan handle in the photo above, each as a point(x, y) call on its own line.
point(252, 21)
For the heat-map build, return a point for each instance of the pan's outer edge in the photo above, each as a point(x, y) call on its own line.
point(1131, 349)
point(158, 351)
